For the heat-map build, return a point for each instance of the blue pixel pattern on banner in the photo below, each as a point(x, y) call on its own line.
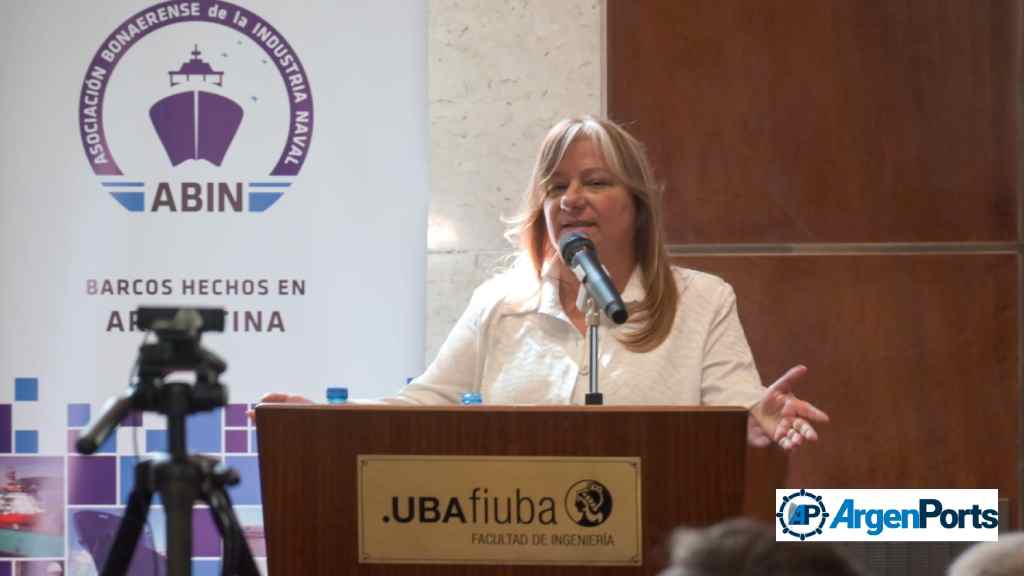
point(33, 498)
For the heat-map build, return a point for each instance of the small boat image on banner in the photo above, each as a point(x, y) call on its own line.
point(19, 508)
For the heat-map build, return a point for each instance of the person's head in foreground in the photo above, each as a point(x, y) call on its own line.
point(744, 547)
point(1002, 558)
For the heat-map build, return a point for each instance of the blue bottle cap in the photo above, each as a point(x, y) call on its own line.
point(472, 398)
point(337, 395)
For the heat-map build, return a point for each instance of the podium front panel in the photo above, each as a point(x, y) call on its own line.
point(310, 457)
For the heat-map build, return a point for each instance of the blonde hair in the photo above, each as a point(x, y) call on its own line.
point(627, 160)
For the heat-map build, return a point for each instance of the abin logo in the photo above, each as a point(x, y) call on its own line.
point(802, 514)
point(214, 115)
point(588, 503)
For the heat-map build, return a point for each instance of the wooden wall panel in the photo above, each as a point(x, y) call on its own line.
point(823, 121)
point(914, 357)
point(842, 125)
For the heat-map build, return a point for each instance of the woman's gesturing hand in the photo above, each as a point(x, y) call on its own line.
point(782, 417)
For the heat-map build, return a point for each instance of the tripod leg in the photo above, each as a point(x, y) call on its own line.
point(238, 560)
point(132, 523)
point(178, 485)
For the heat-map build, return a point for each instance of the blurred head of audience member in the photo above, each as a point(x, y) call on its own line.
point(743, 547)
point(1002, 558)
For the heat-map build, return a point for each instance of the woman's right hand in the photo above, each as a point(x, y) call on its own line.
point(282, 398)
point(279, 398)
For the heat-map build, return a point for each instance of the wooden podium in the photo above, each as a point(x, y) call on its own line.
point(691, 461)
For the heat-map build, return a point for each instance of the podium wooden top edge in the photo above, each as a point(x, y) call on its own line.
point(357, 407)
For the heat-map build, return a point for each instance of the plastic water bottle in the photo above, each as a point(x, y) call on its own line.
point(337, 395)
point(472, 398)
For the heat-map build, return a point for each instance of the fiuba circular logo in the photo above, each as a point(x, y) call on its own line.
point(802, 514)
point(588, 503)
point(196, 106)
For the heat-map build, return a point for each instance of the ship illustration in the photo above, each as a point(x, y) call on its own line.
point(96, 531)
point(19, 507)
point(196, 124)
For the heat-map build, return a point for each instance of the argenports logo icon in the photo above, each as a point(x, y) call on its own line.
point(802, 514)
point(207, 104)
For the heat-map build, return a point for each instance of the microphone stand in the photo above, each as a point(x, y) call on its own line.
point(593, 315)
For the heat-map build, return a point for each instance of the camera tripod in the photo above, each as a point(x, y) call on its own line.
point(179, 478)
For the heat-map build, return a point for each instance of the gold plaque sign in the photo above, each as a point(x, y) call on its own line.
point(500, 510)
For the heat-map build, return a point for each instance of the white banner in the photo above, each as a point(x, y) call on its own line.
point(887, 515)
point(265, 157)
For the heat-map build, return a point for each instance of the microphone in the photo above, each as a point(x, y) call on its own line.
point(578, 251)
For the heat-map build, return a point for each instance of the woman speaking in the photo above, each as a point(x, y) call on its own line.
point(523, 337)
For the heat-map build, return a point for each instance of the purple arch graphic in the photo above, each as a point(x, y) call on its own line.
point(237, 18)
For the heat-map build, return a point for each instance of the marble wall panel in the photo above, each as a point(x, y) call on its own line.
point(500, 74)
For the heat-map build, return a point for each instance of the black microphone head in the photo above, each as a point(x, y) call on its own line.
point(617, 313)
point(571, 243)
